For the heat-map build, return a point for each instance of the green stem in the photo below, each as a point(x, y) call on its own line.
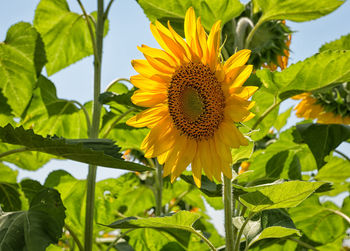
point(87, 117)
point(267, 112)
point(119, 237)
point(18, 150)
point(228, 213)
point(75, 237)
point(304, 244)
point(212, 247)
point(345, 217)
point(252, 32)
point(240, 233)
point(159, 188)
point(105, 14)
point(117, 121)
point(180, 197)
point(116, 81)
point(96, 113)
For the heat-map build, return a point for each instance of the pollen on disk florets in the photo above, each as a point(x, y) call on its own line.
point(196, 101)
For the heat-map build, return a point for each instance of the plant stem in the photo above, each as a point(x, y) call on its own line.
point(75, 237)
point(96, 113)
point(240, 233)
point(267, 112)
point(159, 188)
point(116, 81)
point(18, 150)
point(345, 217)
point(204, 239)
point(87, 117)
point(228, 213)
point(252, 32)
point(116, 121)
point(304, 244)
point(119, 237)
point(105, 14)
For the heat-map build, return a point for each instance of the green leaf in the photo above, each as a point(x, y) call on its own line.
point(297, 11)
point(30, 188)
point(314, 73)
point(322, 139)
point(9, 197)
point(318, 224)
point(99, 152)
point(65, 34)
point(208, 187)
point(5, 110)
point(49, 115)
point(281, 120)
point(7, 174)
point(22, 57)
point(36, 228)
point(283, 195)
point(209, 11)
point(263, 100)
point(179, 222)
point(343, 43)
point(242, 153)
point(275, 232)
point(336, 170)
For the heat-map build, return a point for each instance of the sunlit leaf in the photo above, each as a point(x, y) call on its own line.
point(65, 34)
point(22, 57)
point(36, 228)
point(318, 224)
point(283, 195)
point(275, 232)
point(209, 11)
point(336, 170)
point(96, 152)
point(343, 43)
point(242, 153)
point(298, 11)
point(7, 174)
point(316, 72)
point(322, 139)
point(282, 118)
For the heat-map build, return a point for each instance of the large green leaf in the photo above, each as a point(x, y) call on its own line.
point(36, 228)
point(280, 195)
point(9, 197)
point(95, 151)
point(65, 34)
point(322, 139)
point(336, 170)
point(316, 72)
point(282, 118)
point(7, 174)
point(22, 57)
point(342, 43)
point(295, 10)
point(275, 232)
point(6, 115)
point(316, 222)
point(209, 10)
point(49, 115)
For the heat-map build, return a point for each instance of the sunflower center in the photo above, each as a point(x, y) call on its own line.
point(196, 101)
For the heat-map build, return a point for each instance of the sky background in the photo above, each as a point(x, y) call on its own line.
point(128, 28)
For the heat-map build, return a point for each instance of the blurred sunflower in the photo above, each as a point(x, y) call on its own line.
point(332, 107)
point(194, 100)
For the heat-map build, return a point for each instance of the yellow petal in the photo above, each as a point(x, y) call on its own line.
point(158, 53)
point(242, 77)
point(216, 160)
point(191, 34)
point(227, 134)
point(181, 42)
point(214, 45)
point(173, 155)
point(205, 159)
point(196, 170)
point(145, 69)
point(238, 59)
point(244, 92)
point(159, 65)
point(147, 84)
point(162, 157)
point(148, 99)
point(149, 117)
point(184, 159)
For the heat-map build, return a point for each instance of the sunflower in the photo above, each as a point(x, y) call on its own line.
point(194, 100)
point(309, 108)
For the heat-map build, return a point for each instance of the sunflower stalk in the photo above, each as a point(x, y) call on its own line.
point(159, 187)
point(96, 113)
point(228, 208)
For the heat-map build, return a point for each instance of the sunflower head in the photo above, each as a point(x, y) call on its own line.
point(193, 100)
point(328, 107)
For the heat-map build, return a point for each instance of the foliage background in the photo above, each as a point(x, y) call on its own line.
point(129, 27)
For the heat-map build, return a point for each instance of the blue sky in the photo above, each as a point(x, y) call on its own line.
point(129, 27)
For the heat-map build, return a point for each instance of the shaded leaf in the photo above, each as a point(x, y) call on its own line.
point(9, 197)
point(343, 43)
point(22, 57)
point(297, 11)
point(283, 195)
point(322, 139)
point(95, 151)
point(36, 228)
point(65, 34)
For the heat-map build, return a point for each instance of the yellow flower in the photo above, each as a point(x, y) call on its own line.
point(309, 109)
point(194, 100)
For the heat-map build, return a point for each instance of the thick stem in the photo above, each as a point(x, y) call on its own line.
point(228, 213)
point(75, 237)
point(159, 188)
point(252, 32)
point(96, 113)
